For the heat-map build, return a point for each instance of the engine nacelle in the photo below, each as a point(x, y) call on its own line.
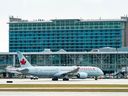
point(82, 75)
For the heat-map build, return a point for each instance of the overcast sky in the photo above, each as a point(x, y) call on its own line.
point(57, 9)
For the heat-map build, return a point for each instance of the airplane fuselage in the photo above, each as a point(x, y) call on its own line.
point(49, 71)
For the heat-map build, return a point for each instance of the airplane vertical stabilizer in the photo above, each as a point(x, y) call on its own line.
point(22, 60)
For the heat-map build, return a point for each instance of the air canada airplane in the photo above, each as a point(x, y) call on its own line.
point(55, 72)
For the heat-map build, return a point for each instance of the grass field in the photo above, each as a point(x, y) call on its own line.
point(65, 87)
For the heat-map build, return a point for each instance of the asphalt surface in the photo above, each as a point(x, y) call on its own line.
point(71, 81)
point(63, 93)
point(74, 85)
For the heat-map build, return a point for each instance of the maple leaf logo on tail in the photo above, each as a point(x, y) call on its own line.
point(23, 62)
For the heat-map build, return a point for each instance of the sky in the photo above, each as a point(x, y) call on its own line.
point(57, 9)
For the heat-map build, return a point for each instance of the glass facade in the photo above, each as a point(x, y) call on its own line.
point(5, 60)
point(108, 61)
point(72, 35)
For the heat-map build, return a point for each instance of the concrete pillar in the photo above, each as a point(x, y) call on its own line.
point(14, 60)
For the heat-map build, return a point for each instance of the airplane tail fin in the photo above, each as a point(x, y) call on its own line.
point(22, 60)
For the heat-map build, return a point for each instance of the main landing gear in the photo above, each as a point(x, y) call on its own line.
point(65, 79)
point(54, 79)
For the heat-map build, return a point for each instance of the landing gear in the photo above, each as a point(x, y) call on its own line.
point(54, 79)
point(96, 78)
point(65, 79)
point(34, 78)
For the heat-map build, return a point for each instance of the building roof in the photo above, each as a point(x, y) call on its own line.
point(19, 20)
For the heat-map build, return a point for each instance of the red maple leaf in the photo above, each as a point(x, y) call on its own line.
point(23, 61)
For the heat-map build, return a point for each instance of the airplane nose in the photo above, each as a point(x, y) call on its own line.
point(101, 72)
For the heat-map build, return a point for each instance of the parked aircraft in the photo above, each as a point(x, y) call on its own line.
point(56, 72)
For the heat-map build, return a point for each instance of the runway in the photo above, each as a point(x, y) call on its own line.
point(74, 85)
point(63, 93)
point(71, 81)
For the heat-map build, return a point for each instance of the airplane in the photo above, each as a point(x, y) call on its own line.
point(55, 72)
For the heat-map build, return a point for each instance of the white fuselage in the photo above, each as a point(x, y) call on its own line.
point(50, 71)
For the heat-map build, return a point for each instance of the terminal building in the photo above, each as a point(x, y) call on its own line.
point(68, 42)
point(72, 35)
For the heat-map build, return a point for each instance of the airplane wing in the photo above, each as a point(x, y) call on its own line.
point(64, 73)
point(23, 71)
point(75, 70)
point(11, 69)
point(15, 70)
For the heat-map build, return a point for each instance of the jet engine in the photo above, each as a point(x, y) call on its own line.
point(82, 75)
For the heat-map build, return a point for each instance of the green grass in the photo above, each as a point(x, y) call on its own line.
point(67, 90)
point(63, 85)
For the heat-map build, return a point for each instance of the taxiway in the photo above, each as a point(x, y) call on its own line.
point(71, 81)
point(74, 85)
